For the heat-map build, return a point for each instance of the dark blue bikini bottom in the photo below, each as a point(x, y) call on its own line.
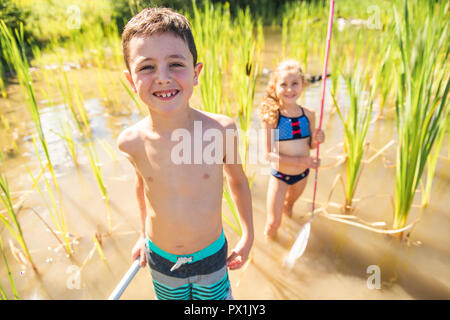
point(289, 179)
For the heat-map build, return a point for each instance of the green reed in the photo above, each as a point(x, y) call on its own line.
point(19, 61)
point(96, 169)
point(421, 99)
point(356, 125)
point(74, 101)
point(10, 134)
point(10, 277)
point(302, 31)
point(2, 82)
point(243, 74)
point(55, 210)
point(294, 28)
point(244, 71)
point(20, 64)
point(211, 28)
point(67, 136)
point(432, 162)
point(385, 79)
point(133, 97)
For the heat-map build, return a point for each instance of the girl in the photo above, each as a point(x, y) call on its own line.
point(292, 128)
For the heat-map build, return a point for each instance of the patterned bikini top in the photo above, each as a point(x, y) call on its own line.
point(292, 128)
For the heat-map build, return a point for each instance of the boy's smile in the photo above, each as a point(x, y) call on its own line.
point(162, 72)
point(166, 94)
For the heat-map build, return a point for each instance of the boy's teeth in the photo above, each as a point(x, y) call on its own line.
point(165, 95)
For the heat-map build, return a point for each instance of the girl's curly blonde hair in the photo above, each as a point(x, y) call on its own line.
point(271, 103)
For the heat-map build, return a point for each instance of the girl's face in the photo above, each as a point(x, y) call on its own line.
point(288, 87)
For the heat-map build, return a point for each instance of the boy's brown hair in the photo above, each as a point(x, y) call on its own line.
point(152, 21)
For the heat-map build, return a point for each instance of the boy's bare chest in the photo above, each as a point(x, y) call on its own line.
point(167, 165)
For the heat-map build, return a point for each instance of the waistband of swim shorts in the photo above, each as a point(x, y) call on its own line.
point(196, 256)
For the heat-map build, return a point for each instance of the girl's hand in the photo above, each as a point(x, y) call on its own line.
point(312, 163)
point(318, 136)
point(139, 250)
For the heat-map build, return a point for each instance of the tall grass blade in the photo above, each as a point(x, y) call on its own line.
point(421, 99)
point(11, 221)
point(10, 277)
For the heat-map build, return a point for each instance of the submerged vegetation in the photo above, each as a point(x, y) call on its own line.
point(381, 62)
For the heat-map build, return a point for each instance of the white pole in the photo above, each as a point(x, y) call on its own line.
point(123, 284)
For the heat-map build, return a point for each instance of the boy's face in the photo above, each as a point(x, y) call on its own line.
point(162, 72)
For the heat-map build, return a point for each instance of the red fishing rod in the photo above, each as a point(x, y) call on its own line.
point(302, 239)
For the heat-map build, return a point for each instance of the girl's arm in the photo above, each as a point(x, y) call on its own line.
point(317, 135)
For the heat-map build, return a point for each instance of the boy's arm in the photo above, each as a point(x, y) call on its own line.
point(139, 248)
point(140, 196)
point(127, 143)
point(240, 193)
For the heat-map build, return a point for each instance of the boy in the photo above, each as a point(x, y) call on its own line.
point(182, 236)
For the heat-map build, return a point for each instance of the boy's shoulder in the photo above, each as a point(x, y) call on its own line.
point(131, 137)
point(220, 121)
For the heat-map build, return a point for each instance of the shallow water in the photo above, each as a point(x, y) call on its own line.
point(334, 265)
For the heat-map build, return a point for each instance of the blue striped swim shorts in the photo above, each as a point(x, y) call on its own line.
point(202, 275)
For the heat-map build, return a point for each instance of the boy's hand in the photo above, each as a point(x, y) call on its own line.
point(239, 254)
point(318, 136)
point(139, 250)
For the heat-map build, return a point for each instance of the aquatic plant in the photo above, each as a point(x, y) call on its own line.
point(75, 103)
point(211, 28)
point(133, 97)
point(356, 124)
point(54, 208)
point(21, 66)
point(10, 277)
point(432, 162)
point(296, 25)
point(95, 166)
point(9, 218)
point(385, 74)
point(421, 99)
point(244, 72)
point(2, 82)
point(19, 61)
